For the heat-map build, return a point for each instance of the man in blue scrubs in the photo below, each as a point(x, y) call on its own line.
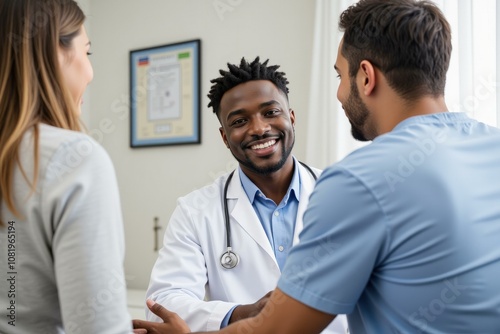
point(414, 217)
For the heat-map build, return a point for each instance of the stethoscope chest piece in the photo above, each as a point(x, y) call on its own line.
point(229, 259)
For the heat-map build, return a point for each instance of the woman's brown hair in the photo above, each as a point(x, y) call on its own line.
point(32, 90)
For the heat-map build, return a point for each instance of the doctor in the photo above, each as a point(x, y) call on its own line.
point(226, 244)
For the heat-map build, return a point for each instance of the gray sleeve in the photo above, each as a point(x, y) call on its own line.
point(81, 201)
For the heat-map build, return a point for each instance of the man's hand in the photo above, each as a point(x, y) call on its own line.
point(172, 323)
point(249, 310)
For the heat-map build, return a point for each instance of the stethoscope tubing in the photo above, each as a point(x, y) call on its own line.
point(230, 259)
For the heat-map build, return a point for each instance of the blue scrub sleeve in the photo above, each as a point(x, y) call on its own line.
point(341, 243)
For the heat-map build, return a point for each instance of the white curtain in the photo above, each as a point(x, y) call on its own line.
point(328, 136)
point(471, 82)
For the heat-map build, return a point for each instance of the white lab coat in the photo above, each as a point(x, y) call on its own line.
point(188, 277)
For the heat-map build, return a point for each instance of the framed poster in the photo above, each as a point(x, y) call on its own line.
point(165, 95)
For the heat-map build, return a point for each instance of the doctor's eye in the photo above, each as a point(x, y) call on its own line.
point(238, 122)
point(272, 112)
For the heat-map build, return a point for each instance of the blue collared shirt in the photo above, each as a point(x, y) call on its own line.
point(278, 220)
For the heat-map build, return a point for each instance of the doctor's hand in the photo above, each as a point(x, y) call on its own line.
point(249, 310)
point(172, 323)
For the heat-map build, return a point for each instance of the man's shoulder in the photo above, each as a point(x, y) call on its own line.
point(309, 169)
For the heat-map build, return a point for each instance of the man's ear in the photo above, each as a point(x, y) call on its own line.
point(368, 78)
point(224, 137)
point(292, 116)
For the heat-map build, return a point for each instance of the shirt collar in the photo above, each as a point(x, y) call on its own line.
point(442, 117)
point(252, 190)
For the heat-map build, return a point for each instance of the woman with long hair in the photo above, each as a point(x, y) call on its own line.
point(61, 229)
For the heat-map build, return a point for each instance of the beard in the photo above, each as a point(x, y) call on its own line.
point(358, 114)
point(357, 133)
point(266, 170)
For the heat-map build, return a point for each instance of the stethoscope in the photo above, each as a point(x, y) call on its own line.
point(230, 259)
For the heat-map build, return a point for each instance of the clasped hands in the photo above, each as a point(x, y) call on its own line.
point(173, 324)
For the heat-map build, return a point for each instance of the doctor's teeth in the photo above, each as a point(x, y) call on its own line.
point(265, 145)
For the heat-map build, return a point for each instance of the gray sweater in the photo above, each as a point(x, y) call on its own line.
point(61, 263)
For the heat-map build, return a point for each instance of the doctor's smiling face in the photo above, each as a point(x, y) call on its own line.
point(257, 126)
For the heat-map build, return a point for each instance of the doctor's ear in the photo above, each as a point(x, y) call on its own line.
point(224, 137)
point(292, 117)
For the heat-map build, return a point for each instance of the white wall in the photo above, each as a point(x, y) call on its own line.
point(151, 179)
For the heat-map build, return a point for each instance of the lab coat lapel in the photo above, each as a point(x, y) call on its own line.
point(307, 185)
point(242, 212)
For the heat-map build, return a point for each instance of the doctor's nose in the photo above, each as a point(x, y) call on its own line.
point(258, 126)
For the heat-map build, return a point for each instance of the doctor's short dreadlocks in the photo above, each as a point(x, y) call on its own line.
point(245, 72)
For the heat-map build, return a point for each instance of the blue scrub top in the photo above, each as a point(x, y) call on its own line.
point(403, 235)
